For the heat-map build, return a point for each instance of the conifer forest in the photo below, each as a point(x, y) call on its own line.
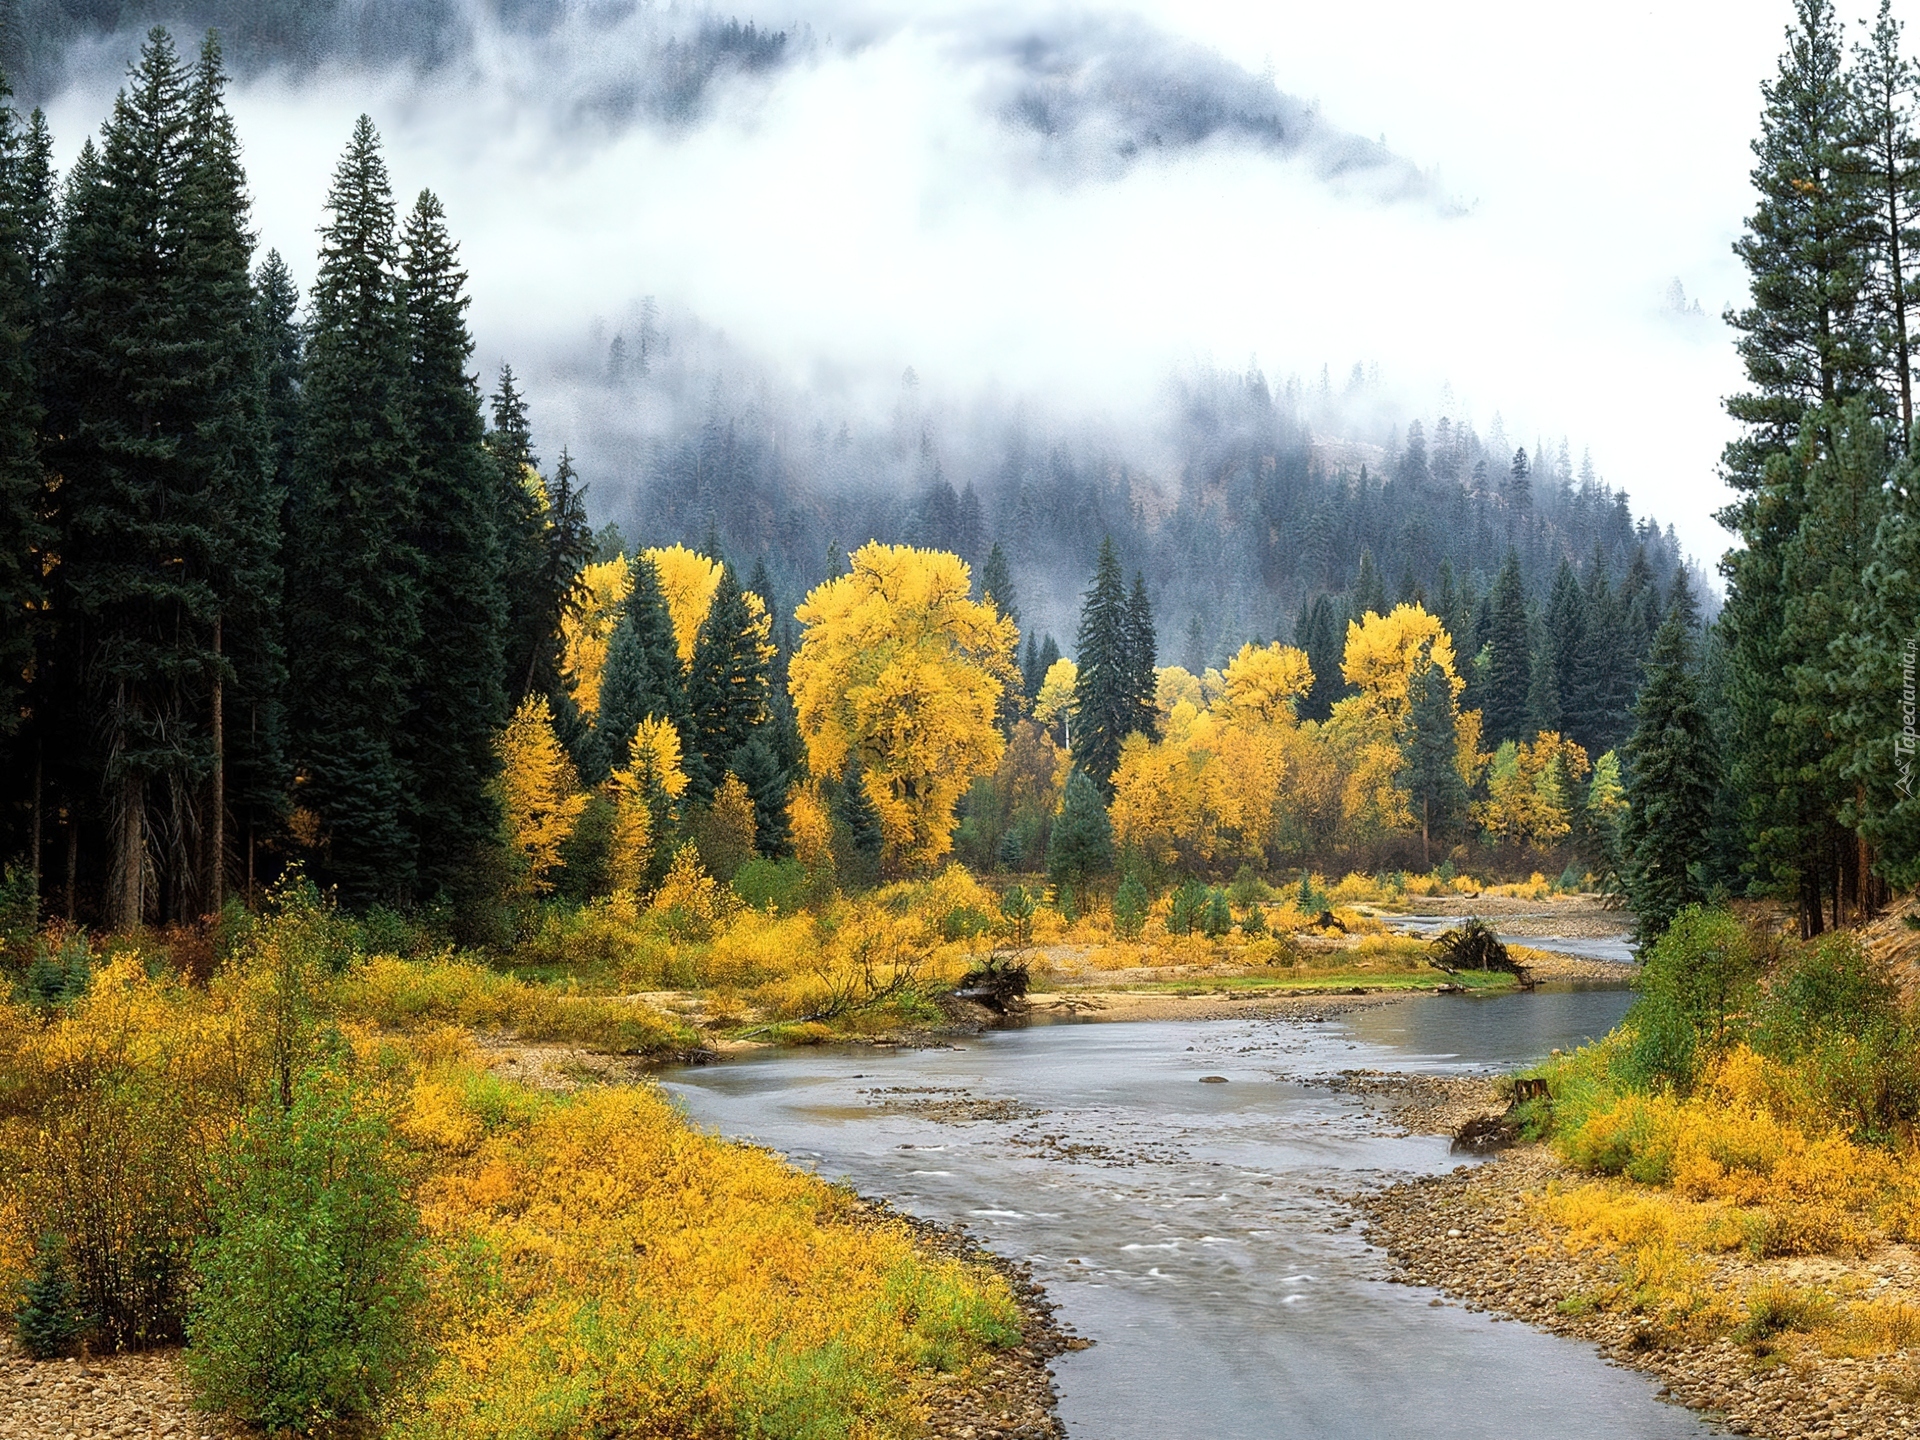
point(441, 730)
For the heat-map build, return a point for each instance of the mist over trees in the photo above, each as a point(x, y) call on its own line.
point(1240, 504)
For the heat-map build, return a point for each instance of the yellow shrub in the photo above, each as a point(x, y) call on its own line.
point(610, 1270)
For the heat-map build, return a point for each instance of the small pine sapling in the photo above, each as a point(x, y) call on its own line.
point(48, 1320)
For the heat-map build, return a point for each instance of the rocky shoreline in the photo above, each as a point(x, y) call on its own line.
point(125, 1397)
point(1474, 1236)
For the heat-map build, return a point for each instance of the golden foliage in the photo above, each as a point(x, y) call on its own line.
point(725, 832)
point(1055, 697)
point(541, 793)
point(687, 583)
point(897, 665)
point(1384, 651)
point(1264, 683)
point(1173, 684)
point(811, 823)
point(1530, 790)
point(587, 631)
point(692, 901)
point(610, 1270)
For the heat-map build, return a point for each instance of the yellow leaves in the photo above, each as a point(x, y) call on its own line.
point(1172, 685)
point(1362, 732)
point(811, 824)
point(1264, 683)
point(1530, 790)
point(1383, 651)
point(645, 1278)
point(587, 631)
point(687, 583)
point(898, 666)
point(1055, 697)
point(540, 791)
point(690, 899)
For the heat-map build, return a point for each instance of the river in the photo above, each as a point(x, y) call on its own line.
point(1191, 1228)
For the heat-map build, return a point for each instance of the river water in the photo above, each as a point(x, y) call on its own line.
point(1187, 1227)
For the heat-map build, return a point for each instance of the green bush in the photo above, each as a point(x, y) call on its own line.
point(1248, 888)
point(1130, 905)
point(1697, 985)
point(57, 977)
point(1310, 899)
point(309, 1284)
point(780, 885)
point(1254, 922)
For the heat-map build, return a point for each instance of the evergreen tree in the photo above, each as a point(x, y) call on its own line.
point(853, 808)
point(1878, 667)
point(1369, 591)
point(1566, 627)
point(353, 575)
point(1030, 672)
point(1324, 640)
point(229, 446)
point(1670, 788)
point(1806, 339)
point(520, 521)
point(726, 687)
point(1081, 843)
point(996, 584)
point(1103, 692)
point(1843, 461)
point(643, 674)
point(259, 773)
point(148, 362)
point(24, 535)
point(768, 784)
point(1883, 84)
point(1431, 773)
point(1543, 692)
point(1518, 489)
point(1141, 660)
point(1509, 664)
point(458, 696)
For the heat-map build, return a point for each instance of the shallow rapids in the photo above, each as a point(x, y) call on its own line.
point(1190, 1227)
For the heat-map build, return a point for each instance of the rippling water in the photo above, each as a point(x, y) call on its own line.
point(1188, 1227)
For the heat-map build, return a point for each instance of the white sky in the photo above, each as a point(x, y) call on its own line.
point(864, 210)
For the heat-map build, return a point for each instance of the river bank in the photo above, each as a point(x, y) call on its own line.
point(1477, 1235)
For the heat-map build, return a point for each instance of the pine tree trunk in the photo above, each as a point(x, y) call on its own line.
point(126, 903)
point(33, 851)
point(73, 860)
point(217, 822)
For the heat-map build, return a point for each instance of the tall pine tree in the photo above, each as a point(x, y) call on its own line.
point(457, 699)
point(1509, 662)
point(726, 686)
point(1105, 708)
point(353, 574)
point(1671, 782)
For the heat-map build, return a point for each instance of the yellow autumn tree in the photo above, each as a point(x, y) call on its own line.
point(899, 667)
point(1368, 731)
point(687, 583)
point(1264, 683)
point(1530, 790)
point(1054, 701)
point(1172, 684)
point(643, 793)
point(586, 631)
point(540, 795)
point(725, 832)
